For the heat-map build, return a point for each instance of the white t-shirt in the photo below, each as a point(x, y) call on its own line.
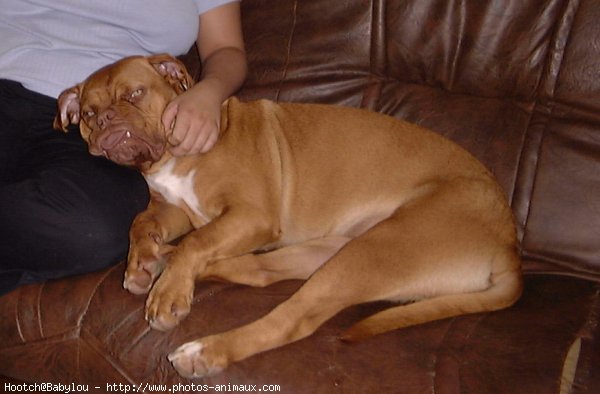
point(50, 45)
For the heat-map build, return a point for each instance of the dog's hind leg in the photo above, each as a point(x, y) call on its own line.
point(296, 261)
point(504, 290)
point(445, 243)
point(464, 259)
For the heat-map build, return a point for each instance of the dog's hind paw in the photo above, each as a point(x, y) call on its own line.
point(197, 359)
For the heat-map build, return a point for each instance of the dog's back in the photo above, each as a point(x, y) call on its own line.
point(343, 169)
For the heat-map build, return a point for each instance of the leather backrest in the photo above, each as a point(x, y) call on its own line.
point(516, 82)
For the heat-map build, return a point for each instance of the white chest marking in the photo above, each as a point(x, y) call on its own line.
point(176, 189)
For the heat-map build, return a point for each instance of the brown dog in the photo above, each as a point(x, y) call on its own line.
point(363, 206)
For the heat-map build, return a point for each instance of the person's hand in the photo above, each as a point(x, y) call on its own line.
point(192, 119)
point(192, 122)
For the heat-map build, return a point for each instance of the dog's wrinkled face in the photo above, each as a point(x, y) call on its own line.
point(119, 108)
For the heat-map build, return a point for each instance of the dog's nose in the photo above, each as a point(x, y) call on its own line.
point(105, 117)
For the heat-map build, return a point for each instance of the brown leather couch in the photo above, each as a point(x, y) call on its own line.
point(516, 82)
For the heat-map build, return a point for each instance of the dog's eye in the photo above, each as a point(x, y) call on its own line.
point(89, 114)
point(136, 93)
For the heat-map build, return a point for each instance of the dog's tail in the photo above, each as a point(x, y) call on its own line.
point(504, 290)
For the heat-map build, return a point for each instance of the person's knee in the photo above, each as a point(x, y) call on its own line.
point(91, 241)
point(61, 232)
point(37, 250)
point(96, 231)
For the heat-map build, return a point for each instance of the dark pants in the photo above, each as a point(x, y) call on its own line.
point(62, 211)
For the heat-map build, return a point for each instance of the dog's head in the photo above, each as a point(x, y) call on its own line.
point(119, 107)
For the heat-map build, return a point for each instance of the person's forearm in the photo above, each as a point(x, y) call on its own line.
point(223, 72)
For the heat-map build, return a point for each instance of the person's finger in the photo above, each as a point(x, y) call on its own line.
point(210, 141)
point(169, 115)
point(190, 142)
point(181, 133)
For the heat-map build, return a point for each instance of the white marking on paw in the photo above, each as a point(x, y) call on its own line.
point(187, 349)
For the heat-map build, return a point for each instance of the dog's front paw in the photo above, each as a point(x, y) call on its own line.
point(146, 260)
point(169, 300)
point(139, 278)
point(199, 358)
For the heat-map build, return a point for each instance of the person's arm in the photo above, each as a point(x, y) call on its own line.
point(194, 115)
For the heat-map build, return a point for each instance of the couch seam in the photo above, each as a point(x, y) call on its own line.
point(18, 320)
point(39, 308)
point(69, 333)
point(289, 50)
point(91, 340)
point(586, 334)
point(377, 58)
point(95, 290)
point(555, 58)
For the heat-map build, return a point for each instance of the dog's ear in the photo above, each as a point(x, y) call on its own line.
point(68, 108)
point(173, 71)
